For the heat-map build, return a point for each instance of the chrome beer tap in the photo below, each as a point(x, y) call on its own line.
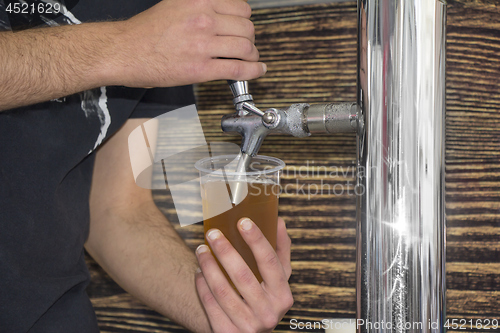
point(298, 120)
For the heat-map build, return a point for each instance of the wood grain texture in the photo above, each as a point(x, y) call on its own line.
point(311, 55)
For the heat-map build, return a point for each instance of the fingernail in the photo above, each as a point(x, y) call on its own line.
point(213, 234)
point(246, 224)
point(198, 270)
point(202, 249)
point(264, 68)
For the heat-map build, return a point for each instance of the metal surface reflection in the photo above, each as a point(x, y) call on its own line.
point(401, 223)
point(399, 120)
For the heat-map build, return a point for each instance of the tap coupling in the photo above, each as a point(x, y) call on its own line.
point(301, 120)
point(332, 118)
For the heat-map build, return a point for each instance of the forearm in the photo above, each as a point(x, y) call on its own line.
point(43, 64)
point(176, 42)
point(145, 255)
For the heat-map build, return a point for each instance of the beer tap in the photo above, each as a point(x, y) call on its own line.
point(299, 120)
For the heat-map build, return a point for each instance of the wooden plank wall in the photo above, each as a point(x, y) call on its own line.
point(311, 56)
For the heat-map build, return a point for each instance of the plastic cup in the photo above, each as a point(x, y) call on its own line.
point(260, 191)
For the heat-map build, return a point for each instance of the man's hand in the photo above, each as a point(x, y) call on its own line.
point(261, 305)
point(176, 42)
point(179, 42)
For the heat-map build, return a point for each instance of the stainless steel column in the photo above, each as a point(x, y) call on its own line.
point(401, 222)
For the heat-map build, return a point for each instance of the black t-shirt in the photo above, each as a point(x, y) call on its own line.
point(46, 161)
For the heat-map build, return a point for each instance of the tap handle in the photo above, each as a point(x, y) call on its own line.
point(240, 93)
point(238, 88)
